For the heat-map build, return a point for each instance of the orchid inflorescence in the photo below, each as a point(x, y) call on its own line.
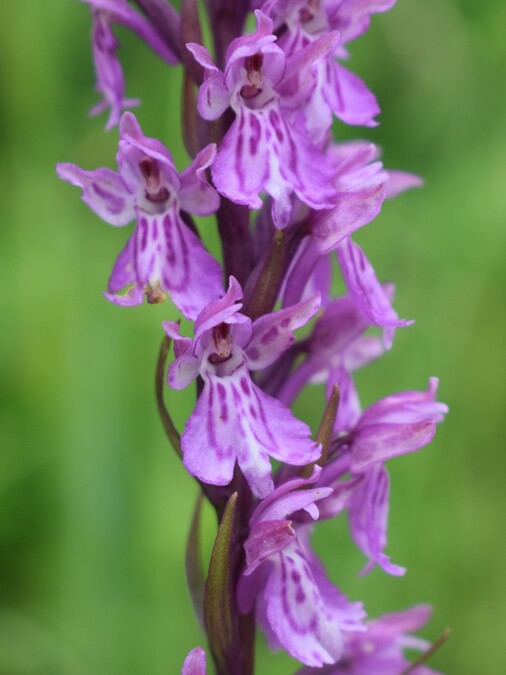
point(257, 122)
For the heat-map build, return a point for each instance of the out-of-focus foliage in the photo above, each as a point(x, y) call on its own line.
point(94, 507)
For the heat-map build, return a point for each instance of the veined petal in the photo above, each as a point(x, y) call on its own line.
point(353, 17)
point(353, 209)
point(260, 152)
point(110, 81)
point(265, 540)
point(268, 509)
point(185, 368)
point(288, 503)
point(375, 443)
point(368, 517)
point(214, 96)
point(365, 288)
point(123, 272)
point(349, 98)
point(273, 333)
point(330, 343)
point(208, 439)
point(351, 155)
point(379, 649)
point(407, 406)
point(233, 420)
point(309, 271)
point(350, 615)
point(170, 257)
point(197, 196)
point(302, 71)
point(121, 13)
point(192, 276)
point(297, 613)
point(288, 438)
point(221, 310)
point(241, 168)
point(103, 191)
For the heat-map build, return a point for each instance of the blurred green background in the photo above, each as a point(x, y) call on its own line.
point(94, 507)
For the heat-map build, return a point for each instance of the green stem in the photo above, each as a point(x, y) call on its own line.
point(168, 424)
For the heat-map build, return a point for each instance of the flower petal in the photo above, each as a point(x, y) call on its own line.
point(103, 191)
point(110, 81)
point(273, 333)
point(349, 98)
point(122, 13)
point(197, 196)
point(170, 257)
point(365, 288)
point(265, 540)
point(368, 517)
point(123, 272)
point(233, 419)
point(376, 443)
point(353, 209)
point(260, 152)
point(221, 310)
point(297, 612)
point(353, 17)
point(309, 272)
point(400, 181)
point(214, 96)
point(195, 662)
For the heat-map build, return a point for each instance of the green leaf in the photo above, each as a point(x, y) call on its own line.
point(193, 562)
point(219, 606)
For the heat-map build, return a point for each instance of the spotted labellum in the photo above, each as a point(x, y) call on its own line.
point(264, 327)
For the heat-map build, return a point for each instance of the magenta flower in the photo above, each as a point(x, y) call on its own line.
point(163, 254)
point(373, 298)
point(109, 74)
point(380, 649)
point(362, 184)
point(234, 420)
point(339, 91)
point(395, 425)
point(337, 339)
point(195, 662)
point(262, 151)
point(297, 606)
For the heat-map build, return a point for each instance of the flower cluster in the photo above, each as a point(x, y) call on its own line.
point(260, 139)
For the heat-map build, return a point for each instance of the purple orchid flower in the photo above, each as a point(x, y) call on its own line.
point(195, 663)
point(297, 607)
point(262, 151)
point(339, 91)
point(380, 649)
point(337, 339)
point(234, 420)
point(109, 74)
point(362, 184)
point(163, 254)
point(395, 425)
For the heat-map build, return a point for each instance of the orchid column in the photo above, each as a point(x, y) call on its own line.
point(285, 196)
